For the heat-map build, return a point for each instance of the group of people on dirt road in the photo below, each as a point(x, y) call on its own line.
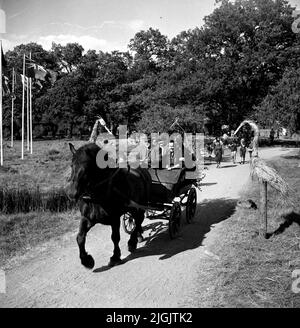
point(218, 145)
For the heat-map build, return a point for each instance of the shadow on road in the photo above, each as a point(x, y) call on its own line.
point(292, 157)
point(227, 166)
point(289, 219)
point(208, 184)
point(192, 235)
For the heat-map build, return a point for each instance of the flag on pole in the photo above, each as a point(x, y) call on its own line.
point(39, 73)
point(35, 71)
point(14, 82)
point(5, 86)
point(24, 80)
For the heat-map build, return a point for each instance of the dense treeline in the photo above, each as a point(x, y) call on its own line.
point(242, 63)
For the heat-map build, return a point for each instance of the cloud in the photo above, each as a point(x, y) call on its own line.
point(136, 24)
point(70, 28)
point(14, 40)
point(87, 41)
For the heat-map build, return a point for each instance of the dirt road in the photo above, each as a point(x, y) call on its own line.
point(162, 272)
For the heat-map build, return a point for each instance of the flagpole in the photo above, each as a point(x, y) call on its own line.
point(27, 109)
point(23, 107)
point(12, 107)
point(30, 110)
point(27, 112)
point(1, 90)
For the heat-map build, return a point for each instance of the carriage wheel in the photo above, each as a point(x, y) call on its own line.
point(174, 220)
point(128, 223)
point(191, 205)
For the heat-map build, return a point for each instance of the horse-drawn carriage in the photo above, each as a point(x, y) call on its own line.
point(111, 195)
point(170, 191)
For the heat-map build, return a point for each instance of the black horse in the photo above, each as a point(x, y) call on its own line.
point(103, 196)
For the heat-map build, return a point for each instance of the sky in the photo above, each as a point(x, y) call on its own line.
point(99, 24)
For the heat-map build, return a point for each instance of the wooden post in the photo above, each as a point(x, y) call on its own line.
point(263, 208)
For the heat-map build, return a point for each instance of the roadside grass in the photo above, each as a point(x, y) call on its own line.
point(20, 232)
point(32, 200)
point(253, 271)
point(33, 205)
point(46, 168)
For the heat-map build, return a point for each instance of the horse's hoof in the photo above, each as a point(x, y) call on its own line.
point(88, 261)
point(131, 248)
point(113, 262)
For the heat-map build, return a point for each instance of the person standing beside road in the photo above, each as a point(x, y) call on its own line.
point(209, 149)
point(218, 151)
point(272, 134)
point(242, 151)
point(250, 149)
point(233, 149)
point(216, 140)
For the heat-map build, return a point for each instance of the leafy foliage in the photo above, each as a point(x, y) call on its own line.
point(245, 58)
point(281, 107)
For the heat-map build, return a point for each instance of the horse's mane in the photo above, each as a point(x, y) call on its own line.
point(89, 148)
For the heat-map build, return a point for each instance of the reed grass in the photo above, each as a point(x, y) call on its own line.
point(25, 200)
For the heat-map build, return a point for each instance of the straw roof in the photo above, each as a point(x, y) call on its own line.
point(267, 174)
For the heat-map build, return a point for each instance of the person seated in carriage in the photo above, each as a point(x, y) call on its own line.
point(174, 153)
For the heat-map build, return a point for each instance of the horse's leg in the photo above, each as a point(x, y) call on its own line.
point(86, 259)
point(139, 226)
point(115, 237)
point(138, 230)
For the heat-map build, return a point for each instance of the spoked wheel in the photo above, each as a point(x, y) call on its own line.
point(174, 220)
point(191, 205)
point(128, 223)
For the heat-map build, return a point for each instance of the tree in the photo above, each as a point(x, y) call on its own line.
point(282, 105)
point(63, 104)
point(161, 117)
point(151, 50)
point(68, 56)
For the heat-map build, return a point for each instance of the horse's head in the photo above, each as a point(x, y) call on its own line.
point(83, 170)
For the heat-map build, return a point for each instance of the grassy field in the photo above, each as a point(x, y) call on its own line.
point(22, 182)
point(47, 167)
point(20, 232)
point(252, 271)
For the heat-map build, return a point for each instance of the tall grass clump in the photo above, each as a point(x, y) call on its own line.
point(58, 201)
point(23, 200)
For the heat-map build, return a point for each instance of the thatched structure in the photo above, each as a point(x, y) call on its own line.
point(95, 132)
point(253, 126)
point(255, 130)
point(267, 174)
